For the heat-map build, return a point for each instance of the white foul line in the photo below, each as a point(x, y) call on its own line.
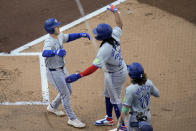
point(24, 103)
point(45, 90)
point(22, 54)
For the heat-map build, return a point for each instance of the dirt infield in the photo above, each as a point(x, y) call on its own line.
point(163, 41)
point(17, 75)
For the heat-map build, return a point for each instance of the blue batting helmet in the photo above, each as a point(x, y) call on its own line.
point(145, 126)
point(135, 70)
point(103, 31)
point(50, 24)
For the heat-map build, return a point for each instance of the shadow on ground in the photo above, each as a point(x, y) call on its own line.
point(182, 8)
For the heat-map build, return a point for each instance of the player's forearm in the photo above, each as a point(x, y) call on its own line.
point(48, 53)
point(88, 71)
point(74, 36)
point(76, 76)
point(156, 92)
point(116, 13)
point(118, 19)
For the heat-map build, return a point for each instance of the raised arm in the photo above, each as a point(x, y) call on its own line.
point(117, 16)
point(118, 19)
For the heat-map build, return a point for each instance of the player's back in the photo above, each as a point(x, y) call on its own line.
point(113, 60)
point(141, 95)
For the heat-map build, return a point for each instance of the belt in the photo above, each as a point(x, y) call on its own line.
point(116, 71)
point(132, 112)
point(50, 69)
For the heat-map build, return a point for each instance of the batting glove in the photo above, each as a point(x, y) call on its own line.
point(85, 35)
point(112, 8)
point(60, 52)
point(73, 77)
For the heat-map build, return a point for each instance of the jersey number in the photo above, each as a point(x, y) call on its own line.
point(144, 100)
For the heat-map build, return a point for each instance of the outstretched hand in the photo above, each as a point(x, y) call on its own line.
point(85, 35)
point(112, 8)
point(73, 77)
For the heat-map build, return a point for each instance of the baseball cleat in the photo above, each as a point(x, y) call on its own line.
point(76, 123)
point(107, 121)
point(122, 128)
point(55, 111)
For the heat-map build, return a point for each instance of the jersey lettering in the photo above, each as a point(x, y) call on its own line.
point(146, 87)
point(117, 56)
point(144, 100)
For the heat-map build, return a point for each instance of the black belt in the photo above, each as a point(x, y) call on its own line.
point(132, 112)
point(50, 69)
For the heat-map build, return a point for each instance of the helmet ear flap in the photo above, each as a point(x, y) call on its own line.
point(51, 31)
point(48, 29)
point(98, 38)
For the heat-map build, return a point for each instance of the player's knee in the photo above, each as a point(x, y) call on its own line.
point(65, 96)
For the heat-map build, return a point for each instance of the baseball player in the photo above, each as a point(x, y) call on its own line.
point(56, 72)
point(137, 99)
point(108, 58)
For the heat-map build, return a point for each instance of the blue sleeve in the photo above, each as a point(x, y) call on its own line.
point(48, 53)
point(74, 36)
